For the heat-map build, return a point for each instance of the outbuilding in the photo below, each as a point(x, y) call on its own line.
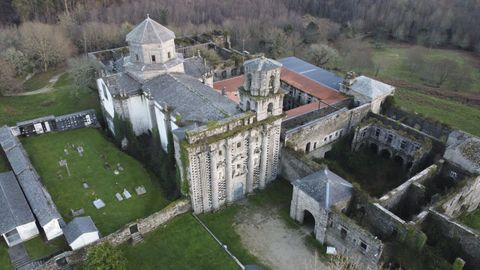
point(80, 232)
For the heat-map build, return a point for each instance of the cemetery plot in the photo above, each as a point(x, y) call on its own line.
point(88, 175)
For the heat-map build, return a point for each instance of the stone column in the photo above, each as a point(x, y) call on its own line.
point(228, 171)
point(204, 181)
point(251, 148)
point(263, 159)
point(214, 174)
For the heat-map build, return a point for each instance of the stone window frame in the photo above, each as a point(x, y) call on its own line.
point(154, 59)
point(363, 246)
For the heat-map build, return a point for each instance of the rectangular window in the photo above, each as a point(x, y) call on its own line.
point(136, 57)
point(220, 152)
point(377, 132)
point(104, 92)
point(363, 245)
point(153, 58)
point(403, 145)
point(239, 145)
point(169, 55)
point(343, 233)
point(389, 138)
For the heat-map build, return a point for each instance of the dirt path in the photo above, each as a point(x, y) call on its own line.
point(279, 246)
point(45, 89)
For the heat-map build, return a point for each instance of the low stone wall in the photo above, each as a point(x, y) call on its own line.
point(123, 235)
point(464, 201)
point(458, 235)
point(395, 196)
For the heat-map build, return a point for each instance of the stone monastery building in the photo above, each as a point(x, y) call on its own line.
point(224, 150)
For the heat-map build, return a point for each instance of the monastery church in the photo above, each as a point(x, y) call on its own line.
point(223, 150)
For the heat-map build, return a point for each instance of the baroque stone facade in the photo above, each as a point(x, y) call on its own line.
point(225, 160)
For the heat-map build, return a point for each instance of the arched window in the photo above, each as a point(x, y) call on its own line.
point(307, 148)
point(271, 84)
point(270, 108)
point(248, 106)
point(249, 81)
point(136, 56)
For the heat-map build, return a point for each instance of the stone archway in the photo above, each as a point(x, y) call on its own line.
point(373, 147)
point(398, 159)
point(308, 222)
point(385, 153)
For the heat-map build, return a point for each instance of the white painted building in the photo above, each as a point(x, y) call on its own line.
point(81, 232)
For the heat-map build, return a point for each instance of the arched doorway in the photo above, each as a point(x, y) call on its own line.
point(307, 148)
point(398, 160)
point(270, 108)
point(385, 154)
point(308, 221)
point(374, 148)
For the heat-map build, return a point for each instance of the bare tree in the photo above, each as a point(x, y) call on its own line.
point(322, 54)
point(83, 70)
point(45, 44)
point(8, 83)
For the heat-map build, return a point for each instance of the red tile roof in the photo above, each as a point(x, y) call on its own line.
point(231, 86)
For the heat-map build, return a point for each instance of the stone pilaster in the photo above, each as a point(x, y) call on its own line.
point(214, 174)
point(228, 171)
point(263, 159)
point(204, 179)
point(251, 165)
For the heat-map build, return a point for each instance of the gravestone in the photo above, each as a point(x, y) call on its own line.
point(85, 185)
point(80, 150)
point(119, 197)
point(126, 194)
point(140, 190)
point(98, 203)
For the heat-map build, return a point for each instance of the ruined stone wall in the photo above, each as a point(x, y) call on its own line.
point(294, 167)
point(123, 235)
point(319, 132)
point(395, 196)
point(362, 248)
point(383, 222)
point(458, 234)
point(464, 201)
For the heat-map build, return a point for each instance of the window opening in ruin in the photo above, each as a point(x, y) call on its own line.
point(153, 58)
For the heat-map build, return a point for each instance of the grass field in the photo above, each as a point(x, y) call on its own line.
point(472, 219)
point(450, 112)
point(4, 259)
point(4, 166)
point(40, 80)
point(65, 98)
point(37, 248)
point(393, 63)
point(181, 244)
point(96, 167)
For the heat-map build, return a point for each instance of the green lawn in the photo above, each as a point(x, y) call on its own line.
point(4, 258)
point(181, 244)
point(453, 113)
point(40, 80)
point(64, 99)
point(96, 168)
point(37, 248)
point(393, 63)
point(472, 219)
point(4, 166)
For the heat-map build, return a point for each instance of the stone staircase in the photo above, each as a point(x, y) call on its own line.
point(136, 238)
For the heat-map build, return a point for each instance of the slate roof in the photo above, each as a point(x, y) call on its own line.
point(14, 209)
point(193, 100)
point(463, 149)
point(370, 87)
point(261, 64)
point(312, 72)
point(122, 83)
point(38, 198)
point(325, 187)
point(195, 66)
point(77, 227)
point(149, 31)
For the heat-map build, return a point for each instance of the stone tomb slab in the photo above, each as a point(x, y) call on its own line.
point(126, 194)
point(98, 203)
point(119, 197)
point(140, 190)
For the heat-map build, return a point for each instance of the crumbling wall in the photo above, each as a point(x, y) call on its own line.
point(293, 166)
point(455, 235)
point(383, 222)
point(395, 196)
point(464, 201)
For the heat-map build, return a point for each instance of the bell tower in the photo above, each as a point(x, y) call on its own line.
point(261, 89)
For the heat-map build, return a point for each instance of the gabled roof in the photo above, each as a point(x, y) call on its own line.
point(149, 31)
point(312, 72)
point(193, 100)
point(261, 64)
point(325, 187)
point(371, 88)
point(14, 209)
point(195, 66)
point(77, 227)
